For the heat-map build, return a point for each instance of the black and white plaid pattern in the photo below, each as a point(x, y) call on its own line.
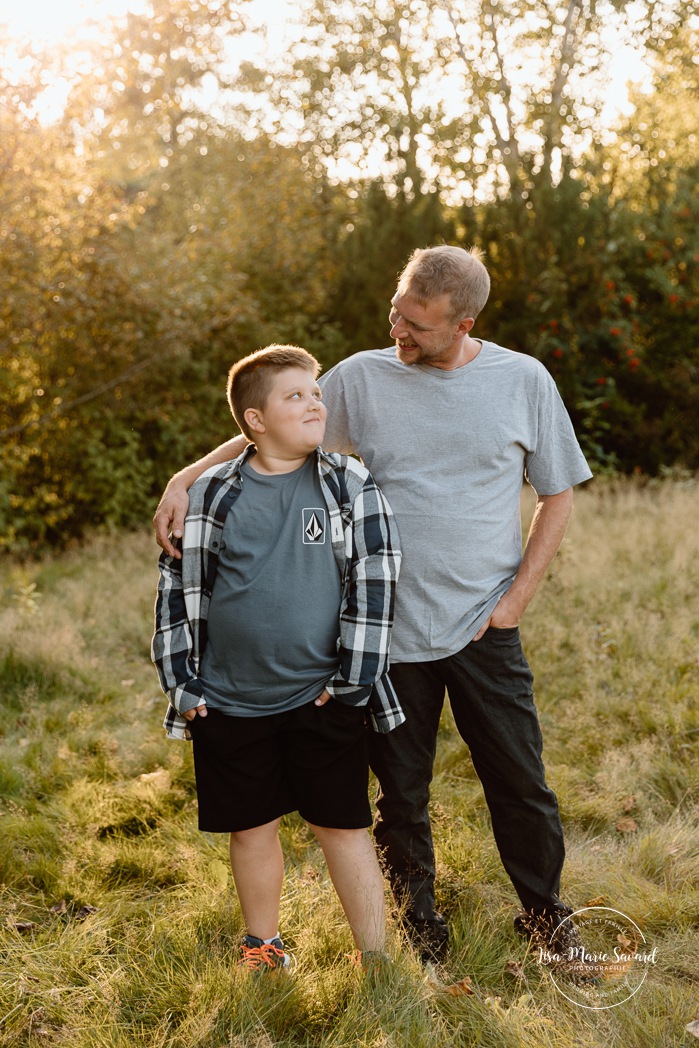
point(365, 544)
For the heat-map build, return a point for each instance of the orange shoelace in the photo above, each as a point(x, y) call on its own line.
point(257, 957)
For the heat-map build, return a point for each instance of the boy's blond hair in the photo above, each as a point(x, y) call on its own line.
point(445, 270)
point(250, 379)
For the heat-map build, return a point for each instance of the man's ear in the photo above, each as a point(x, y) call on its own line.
point(253, 417)
point(465, 325)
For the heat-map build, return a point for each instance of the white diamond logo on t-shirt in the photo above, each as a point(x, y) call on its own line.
point(313, 527)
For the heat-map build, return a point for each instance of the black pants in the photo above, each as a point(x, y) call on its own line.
point(490, 690)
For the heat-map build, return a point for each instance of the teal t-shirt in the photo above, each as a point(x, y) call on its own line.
point(273, 621)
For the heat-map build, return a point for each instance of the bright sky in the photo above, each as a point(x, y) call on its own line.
point(50, 21)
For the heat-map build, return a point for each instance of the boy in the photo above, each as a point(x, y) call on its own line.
point(285, 550)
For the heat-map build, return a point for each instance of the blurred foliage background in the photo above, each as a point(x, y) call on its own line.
point(187, 208)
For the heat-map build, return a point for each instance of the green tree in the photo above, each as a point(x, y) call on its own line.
point(137, 104)
point(598, 279)
point(127, 300)
point(653, 173)
point(375, 241)
point(476, 99)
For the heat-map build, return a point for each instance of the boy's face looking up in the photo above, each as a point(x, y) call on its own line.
point(292, 422)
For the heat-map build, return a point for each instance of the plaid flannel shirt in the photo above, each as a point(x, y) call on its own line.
point(365, 543)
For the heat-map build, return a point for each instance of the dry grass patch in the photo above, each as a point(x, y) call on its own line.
point(119, 925)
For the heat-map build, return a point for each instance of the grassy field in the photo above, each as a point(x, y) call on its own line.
point(119, 923)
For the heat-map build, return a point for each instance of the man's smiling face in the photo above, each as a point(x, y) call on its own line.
point(425, 332)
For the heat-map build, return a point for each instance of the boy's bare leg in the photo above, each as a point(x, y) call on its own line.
point(355, 873)
point(258, 871)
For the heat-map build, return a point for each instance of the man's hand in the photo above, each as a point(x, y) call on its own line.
point(323, 698)
point(173, 506)
point(191, 714)
point(169, 517)
point(503, 617)
point(548, 526)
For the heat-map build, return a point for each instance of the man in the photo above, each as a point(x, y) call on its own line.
point(450, 426)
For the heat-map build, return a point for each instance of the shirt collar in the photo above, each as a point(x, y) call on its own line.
point(232, 469)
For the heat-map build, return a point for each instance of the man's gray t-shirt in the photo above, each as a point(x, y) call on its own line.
point(450, 450)
point(273, 621)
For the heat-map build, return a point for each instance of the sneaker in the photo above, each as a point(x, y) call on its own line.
point(260, 956)
point(428, 935)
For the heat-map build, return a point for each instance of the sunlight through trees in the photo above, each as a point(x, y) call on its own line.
point(193, 202)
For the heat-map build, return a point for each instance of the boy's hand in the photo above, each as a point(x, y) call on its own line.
point(191, 714)
point(323, 698)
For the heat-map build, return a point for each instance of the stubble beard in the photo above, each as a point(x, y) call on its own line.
point(420, 356)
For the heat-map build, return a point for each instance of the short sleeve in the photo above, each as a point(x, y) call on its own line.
point(337, 429)
point(556, 462)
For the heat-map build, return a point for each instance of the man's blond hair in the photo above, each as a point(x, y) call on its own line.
point(454, 271)
point(250, 379)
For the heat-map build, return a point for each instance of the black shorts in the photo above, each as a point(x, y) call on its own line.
point(251, 770)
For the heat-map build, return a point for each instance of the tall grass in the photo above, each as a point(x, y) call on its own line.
point(120, 925)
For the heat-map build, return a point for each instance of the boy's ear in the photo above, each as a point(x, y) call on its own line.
point(253, 417)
